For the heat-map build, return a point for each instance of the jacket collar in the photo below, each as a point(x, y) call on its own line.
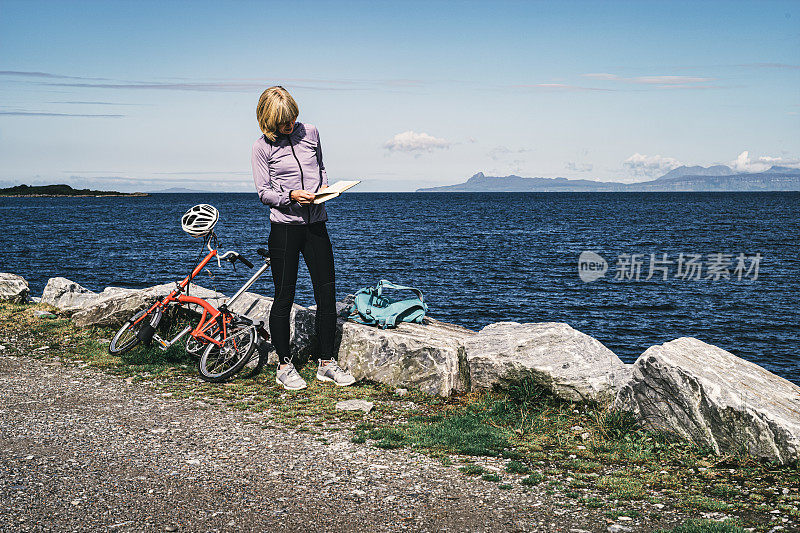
point(298, 133)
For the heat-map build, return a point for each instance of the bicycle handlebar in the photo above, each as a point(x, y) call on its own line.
point(233, 257)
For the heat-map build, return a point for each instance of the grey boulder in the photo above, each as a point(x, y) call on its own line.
point(66, 295)
point(111, 307)
point(253, 305)
point(115, 305)
point(571, 364)
point(708, 395)
point(426, 356)
point(13, 288)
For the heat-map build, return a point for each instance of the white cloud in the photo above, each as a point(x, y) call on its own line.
point(410, 141)
point(558, 87)
point(500, 152)
point(601, 76)
point(670, 80)
point(578, 167)
point(649, 80)
point(744, 163)
point(649, 166)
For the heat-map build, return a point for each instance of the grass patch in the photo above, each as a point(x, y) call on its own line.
point(533, 479)
point(623, 488)
point(515, 467)
point(472, 470)
point(388, 438)
point(706, 526)
point(593, 502)
point(582, 465)
point(723, 490)
point(704, 503)
point(615, 424)
point(465, 433)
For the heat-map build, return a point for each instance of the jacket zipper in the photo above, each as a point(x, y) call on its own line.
point(302, 185)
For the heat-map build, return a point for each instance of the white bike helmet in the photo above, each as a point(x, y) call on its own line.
point(200, 220)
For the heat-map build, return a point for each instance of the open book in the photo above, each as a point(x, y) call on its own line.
point(332, 191)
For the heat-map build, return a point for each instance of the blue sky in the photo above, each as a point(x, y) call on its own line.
point(145, 96)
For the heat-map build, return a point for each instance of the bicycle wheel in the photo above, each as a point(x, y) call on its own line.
point(128, 335)
point(219, 363)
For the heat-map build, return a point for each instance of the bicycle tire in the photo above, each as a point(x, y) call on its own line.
point(220, 363)
point(263, 355)
point(130, 333)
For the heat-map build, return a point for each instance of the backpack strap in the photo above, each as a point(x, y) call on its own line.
point(389, 285)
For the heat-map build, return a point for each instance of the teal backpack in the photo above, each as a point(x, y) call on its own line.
point(374, 309)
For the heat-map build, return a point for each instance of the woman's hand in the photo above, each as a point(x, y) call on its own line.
point(302, 197)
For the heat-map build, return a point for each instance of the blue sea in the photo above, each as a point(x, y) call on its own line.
point(732, 260)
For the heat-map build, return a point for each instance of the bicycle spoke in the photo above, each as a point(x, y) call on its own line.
point(221, 361)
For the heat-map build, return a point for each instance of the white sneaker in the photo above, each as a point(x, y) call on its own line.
point(333, 372)
point(290, 378)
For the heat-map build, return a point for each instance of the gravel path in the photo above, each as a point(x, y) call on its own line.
point(85, 451)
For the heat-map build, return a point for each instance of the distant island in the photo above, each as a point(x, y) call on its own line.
point(681, 179)
point(60, 190)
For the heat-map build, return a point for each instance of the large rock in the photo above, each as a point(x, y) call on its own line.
point(571, 364)
point(253, 305)
point(115, 305)
point(66, 295)
point(712, 397)
point(111, 307)
point(429, 356)
point(13, 288)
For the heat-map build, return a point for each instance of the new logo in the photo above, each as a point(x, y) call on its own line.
point(591, 266)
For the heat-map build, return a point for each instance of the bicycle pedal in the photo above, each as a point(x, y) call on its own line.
point(161, 343)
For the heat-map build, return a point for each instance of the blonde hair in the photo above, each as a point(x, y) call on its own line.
point(276, 106)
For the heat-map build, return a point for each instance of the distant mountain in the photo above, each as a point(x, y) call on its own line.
point(481, 182)
point(60, 190)
point(715, 178)
point(715, 170)
point(780, 170)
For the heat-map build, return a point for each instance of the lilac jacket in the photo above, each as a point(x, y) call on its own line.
point(290, 162)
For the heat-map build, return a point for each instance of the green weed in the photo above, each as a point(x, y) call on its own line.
point(472, 470)
point(533, 479)
point(706, 526)
point(515, 467)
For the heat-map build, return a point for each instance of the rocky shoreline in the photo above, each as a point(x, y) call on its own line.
point(685, 387)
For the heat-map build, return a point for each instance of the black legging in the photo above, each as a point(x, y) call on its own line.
point(286, 242)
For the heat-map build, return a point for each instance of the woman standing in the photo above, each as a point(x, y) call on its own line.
point(288, 170)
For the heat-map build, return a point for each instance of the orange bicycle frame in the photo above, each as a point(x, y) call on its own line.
point(210, 313)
